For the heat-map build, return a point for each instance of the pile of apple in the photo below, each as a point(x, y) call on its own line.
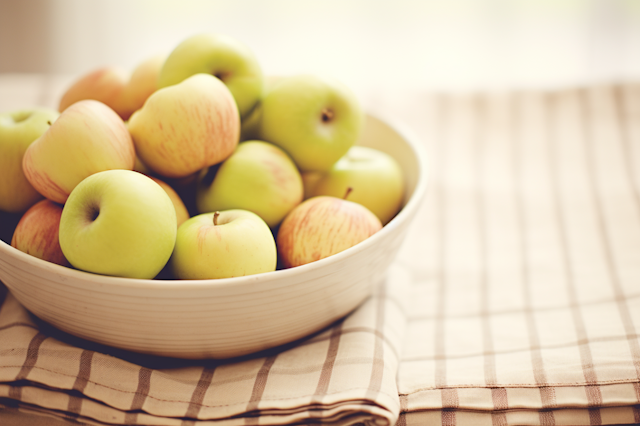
point(195, 166)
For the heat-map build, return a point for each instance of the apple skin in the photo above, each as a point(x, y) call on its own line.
point(181, 210)
point(259, 177)
point(323, 226)
point(315, 120)
point(37, 232)
point(114, 87)
point(219, 55)
point(239, 244)
point(87, 138)
point(375, 178)
point(187, 127)
point(120, 223)
point(18, 130)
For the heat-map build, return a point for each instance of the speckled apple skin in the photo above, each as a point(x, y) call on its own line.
point(187, 127)
point(321, 227)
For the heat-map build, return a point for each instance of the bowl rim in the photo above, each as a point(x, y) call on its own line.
point(412, 204)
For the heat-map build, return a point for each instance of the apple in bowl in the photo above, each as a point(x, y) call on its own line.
point(186, 127)
point(87, 138)
point(120, 223)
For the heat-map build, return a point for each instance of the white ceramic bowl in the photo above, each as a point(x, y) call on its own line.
point(226, 317)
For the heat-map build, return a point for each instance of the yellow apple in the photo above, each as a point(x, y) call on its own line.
point(184, 128)
point(224, 244)
point(120, 223)
point(87, 138)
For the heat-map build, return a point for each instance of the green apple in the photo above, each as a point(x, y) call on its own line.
point(375, 178)
point(219, 55)
point(87, 138)
point(118, 222)
point(259, 177)
point(224, 244)
point(114, 87)
point(37, 232)
point(18, 129)
point(315, 120)
point(184, 128)
point(322, 226)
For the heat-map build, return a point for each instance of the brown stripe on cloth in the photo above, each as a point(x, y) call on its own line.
point(404, 408)
point(326, 371)
point(547, 394)
point(32, 357)
point(498, 395)
point(500, 404)
point(594, 396)
point(84, 372)
point(622, 115)
point(327, 367)
point(142, 392)
point(449, 397)
point(258, 388)
point(197, 397)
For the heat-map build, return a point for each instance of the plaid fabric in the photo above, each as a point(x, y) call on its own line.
point(525, 309)
point(514, 301)
point(343, 375)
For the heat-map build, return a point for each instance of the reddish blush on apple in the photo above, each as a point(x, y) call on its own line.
point(323, 226)
point(87, 138)
point(114, 87)
point(37, 232)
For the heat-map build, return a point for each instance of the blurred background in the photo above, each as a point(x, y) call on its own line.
point(399, 44)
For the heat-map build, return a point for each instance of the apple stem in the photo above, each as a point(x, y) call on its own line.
point(327, 115)
point(49, 122)
point(215, 218)
point(222, 76)
point(346, 194)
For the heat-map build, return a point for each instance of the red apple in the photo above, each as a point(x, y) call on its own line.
point(323, 226)
point(37, 232)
